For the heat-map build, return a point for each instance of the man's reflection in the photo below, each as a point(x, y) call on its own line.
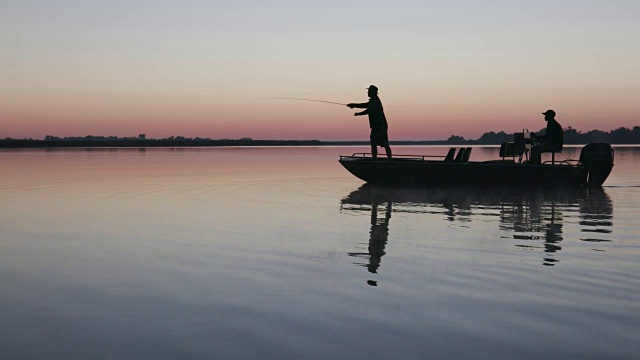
point(538, 216)
point(378, 237)
point(552, 236)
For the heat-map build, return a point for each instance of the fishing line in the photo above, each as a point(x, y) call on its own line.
point(300, 99)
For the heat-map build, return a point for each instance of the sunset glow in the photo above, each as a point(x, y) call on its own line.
point(212, 69)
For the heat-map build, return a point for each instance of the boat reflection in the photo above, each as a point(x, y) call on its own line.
point(534, 219)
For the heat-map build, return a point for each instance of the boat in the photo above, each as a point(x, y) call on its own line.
point(512, 169)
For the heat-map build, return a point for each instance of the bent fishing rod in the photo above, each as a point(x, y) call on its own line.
point(314, 100)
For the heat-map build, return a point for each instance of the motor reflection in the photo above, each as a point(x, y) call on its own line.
point(534, 219)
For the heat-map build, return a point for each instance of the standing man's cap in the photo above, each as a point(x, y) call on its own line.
point(550, 112)
point(373, 87)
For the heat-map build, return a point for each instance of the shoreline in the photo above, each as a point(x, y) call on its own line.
point(137, 143)
point(258, 144)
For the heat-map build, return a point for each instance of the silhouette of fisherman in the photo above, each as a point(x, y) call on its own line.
point(551, 141)
point(377, 121)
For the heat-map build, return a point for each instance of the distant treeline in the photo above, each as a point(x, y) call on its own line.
point(142, 141)
point(571, 136)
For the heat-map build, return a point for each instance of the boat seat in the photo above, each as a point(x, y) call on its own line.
point(519, 143)
point(449, 157)
point(509, 149)
point(553, 155)
point(467, 154)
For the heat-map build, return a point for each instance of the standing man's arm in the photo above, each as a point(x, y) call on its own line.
point(360, 106)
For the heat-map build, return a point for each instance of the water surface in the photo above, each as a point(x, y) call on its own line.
point(280, 253)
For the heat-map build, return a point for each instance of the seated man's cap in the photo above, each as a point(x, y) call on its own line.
point(550, 112)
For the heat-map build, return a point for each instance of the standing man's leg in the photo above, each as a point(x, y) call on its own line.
point(374, 149)
point(384, 141)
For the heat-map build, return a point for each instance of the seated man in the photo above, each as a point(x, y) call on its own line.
point(551, 141)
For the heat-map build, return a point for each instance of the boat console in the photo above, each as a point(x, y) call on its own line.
point(520, 147)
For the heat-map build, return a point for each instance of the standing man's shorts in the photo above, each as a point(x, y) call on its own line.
point(379, 137)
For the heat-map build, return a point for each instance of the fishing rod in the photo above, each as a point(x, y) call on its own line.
point(300, 99)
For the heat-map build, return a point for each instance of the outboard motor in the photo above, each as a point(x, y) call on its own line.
point(597, 158)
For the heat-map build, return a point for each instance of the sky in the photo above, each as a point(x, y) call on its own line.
point(215, 69)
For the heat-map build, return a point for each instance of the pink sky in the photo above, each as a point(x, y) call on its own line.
point(199, 70)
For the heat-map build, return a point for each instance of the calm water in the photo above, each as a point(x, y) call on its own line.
point(279, 253)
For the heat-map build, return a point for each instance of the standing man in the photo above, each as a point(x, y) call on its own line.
point(377, 121)
point(551, 141)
